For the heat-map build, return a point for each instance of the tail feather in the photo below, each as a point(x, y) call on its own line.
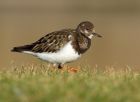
point(22, 48)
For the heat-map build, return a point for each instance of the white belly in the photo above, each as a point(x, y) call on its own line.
point(66, 54)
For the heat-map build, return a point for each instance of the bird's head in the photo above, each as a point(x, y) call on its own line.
point(87, 28)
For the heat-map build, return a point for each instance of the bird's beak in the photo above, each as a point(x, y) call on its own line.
point(96, 34)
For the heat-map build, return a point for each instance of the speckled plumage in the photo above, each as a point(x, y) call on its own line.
point(62, 46)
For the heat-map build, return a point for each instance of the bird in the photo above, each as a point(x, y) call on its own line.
point(62, 46)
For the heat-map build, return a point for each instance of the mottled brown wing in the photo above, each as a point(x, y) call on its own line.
point(52, 42)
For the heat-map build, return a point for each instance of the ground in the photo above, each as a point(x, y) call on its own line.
point(38, 83)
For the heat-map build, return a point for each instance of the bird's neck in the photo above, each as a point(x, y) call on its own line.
point(83, 42)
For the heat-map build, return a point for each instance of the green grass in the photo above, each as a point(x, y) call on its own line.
point(41, 84)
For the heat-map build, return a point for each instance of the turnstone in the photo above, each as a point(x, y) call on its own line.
point(62, 46)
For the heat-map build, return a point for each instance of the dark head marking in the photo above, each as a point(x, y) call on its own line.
point(87, 28)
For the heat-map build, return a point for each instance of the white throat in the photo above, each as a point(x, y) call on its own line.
point(90, 36)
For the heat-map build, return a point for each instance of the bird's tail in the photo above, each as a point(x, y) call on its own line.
point(22, 48)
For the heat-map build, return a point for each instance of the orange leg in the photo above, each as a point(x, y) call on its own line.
point(70, 69)
point(73, 70)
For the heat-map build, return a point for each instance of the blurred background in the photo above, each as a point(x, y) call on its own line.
point(118, 21)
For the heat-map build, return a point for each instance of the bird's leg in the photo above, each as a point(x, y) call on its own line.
point(60, 66)
point(73, 70)
point(68, 69)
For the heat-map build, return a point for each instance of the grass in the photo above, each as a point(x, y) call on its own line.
point(35, 83)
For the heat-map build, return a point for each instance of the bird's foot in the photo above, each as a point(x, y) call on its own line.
point(73, 70)
point(70, 69)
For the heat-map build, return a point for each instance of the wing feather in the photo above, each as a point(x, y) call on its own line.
point(52, 42)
